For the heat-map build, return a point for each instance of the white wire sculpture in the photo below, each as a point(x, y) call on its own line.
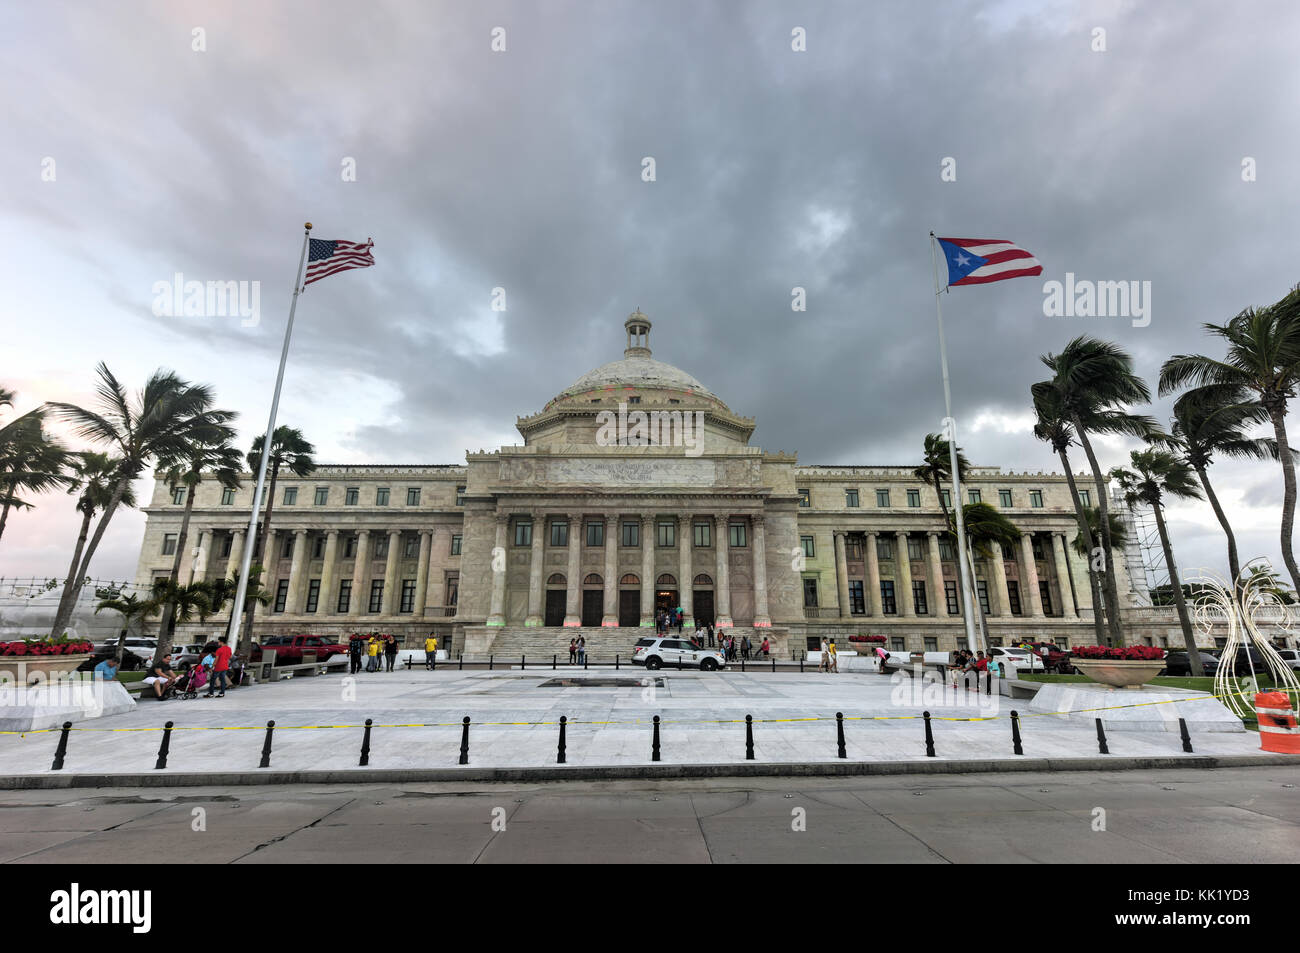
point(1257, 604)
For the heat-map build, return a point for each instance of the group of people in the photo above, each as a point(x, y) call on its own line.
point(829, 661)
point(213, 669)
point(378, 650)
point(578, 651)
point(964, 661)
point(732, 647)
point(668, 618)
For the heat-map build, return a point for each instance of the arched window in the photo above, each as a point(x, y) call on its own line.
point(704, 579)
point(631, 579)
point(667, 579)
point(592, 580)
point(557, 579)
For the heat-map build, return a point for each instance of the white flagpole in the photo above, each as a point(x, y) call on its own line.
point(237, 617)
point(967, 588)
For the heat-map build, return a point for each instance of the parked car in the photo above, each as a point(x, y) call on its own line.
point(1242, 666)
point(1177, 663)
point(1020, 660)
point(192, 653)
point(1056, 659)
point(1291, 657)
point(673, 652)
point(289, 648)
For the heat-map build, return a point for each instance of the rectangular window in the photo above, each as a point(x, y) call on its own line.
point(914, 498)
point(882, 497)
point(412, 496)
point(227, 496)
point(460, 496)
point(666, 534)
point(1036, 499)
point(737, 533)
point(411, 547)
point(919, 603)
point(169, 544)
point(453, 591)
point(286, 550)
point(559, 532)
point(805, 497)
point(631, 533)
point(376, 595)
point(947, 498)
point(915, 549)
point(1004, 498)
point(595, 532)
point(857, 601)
point(381, 547)
point(810, 593)
point(1085, 498)
point(322, 496)
point(974, 496)
point(982, 589)
point(351, 496)
point(523, 532)
point(1045, 593)
point(226, 543)
point(884, 548)
point(808, 550)
point(931, 644)
point(1036, 545)
point(350, 547)
point(1013, 596)
point(178, 495)
point(703, 533)
point(381, 496)
point(455, 545)
point(408, 596)
point(281, 594)
point(313, 595)
point(887, 604)
point(896, 643)
point(345, 594)
point(853, 548)
point(947, 550)
point(290, 496)
point(850, 497)
point(950, 597)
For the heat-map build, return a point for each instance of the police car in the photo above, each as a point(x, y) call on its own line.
point(675, 653)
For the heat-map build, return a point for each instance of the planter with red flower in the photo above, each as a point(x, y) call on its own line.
point(1128, 667)
point(37, 660)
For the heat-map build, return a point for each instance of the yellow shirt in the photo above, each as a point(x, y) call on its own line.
point(431, 644)
point(373, 648)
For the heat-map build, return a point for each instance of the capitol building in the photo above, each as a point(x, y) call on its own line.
point(636, 488)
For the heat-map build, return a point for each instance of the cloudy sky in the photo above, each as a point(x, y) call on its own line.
point(149, 139)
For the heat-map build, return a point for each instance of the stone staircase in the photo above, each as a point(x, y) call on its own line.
point(540, 643)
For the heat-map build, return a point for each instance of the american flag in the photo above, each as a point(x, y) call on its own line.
point(975, 261)
point(328, 256)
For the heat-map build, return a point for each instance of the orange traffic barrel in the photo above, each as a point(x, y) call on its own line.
point(1277, 723)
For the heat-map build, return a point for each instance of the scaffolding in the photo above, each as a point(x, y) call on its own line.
point(1143, 553)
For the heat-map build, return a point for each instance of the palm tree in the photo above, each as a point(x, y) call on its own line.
point(1094, 383)
point(1264, 359)
point(179, 604)
point(289, 451)
point(1118, 532)
point(94, 476)
point(158, 422)
point(208, 453)
point(30, 460)
point(937, 468)
point(1158, 474)
point(131, 607)
point(987, 532)
point(220, 591)
point(1053, 428)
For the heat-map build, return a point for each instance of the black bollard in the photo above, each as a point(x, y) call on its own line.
point(559, 757)
point(1187, 739)
point(62, 749)
point(266, 745)
point(1101, 738)
point(585, 657)
point(365, 745)
point(461, 661)
point(616, 663)
point(491, 662)
point(554, 662)
point(929, 735)
point(742, 663)
point(800, 664)
point(464, 741)
point(523, 662)
point(654, 744)
point(839, 724)
point(164, 747)
point(1015, 733)
point(989, 690)
point(749, 737)
point(773, 664)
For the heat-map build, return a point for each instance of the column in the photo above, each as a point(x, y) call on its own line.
point(1033, 598)
point(940, 610)
point(328, 600)
point(761, 617)
point(1003, 608)
point(421, 572)
point(722, 590)
point(360, 574)
point(392, 597)
point(292, 603)
point(647, 571)
point(236, 552)
point(903, 567)
point(841, 573)
point(573, 602)
point(199, 563)
point(534, 617)
point(610, 618)
point(873, 577)
point(496, 610)
point(686, 571)
point(1063, 577)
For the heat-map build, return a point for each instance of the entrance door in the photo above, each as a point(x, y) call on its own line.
point(629, 608)
point(593, 607)
point(703, 603)
point(665, 599)
point(555, 599)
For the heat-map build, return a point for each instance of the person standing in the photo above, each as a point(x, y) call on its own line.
point(372, 654)
point(835, 661)
point(354, 653)
point(573, 650)
point(220, 666)
point(711, 644)
point(582, 650)
point(766, 647)
point(390, 651)
point(431, 652)
point(823, 663)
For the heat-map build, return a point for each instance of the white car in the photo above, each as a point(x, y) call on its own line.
point(1291, 657)
point(1018, 659)
point(656, 653)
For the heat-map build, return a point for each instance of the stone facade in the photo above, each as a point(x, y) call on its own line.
point(603, 514)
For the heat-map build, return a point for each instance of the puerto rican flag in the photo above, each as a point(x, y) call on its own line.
point(975, 261)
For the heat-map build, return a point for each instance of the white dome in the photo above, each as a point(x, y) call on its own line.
point(637, 372)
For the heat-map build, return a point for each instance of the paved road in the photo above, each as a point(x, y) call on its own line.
point(1164, 816)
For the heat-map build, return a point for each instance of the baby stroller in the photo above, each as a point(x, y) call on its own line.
point(191, 680)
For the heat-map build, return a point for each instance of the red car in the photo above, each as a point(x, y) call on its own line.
point(289, 648)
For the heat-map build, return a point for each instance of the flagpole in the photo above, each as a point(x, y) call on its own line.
point(968, 603)
point(236, 617)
